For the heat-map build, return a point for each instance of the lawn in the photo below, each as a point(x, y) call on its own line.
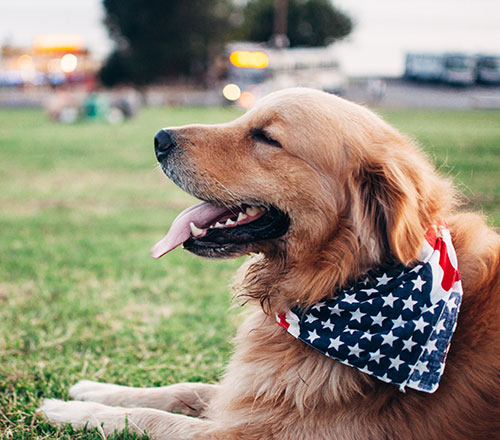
point(80, 296)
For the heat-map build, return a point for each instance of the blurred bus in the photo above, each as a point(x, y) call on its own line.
point(488, 69)
point(451, 68)
point(255, 70)
point(423, 67)
point(459, 69)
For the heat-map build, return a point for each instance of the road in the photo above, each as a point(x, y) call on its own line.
point(387, 93)
point(398, 93)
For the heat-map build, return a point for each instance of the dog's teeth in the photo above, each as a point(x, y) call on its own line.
point(195, 231)
point(253, 210)
point(230, 222)
point(219, 225)
point(241, 216)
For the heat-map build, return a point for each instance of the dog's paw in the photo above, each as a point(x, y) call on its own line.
point(77, 414)
point(83, 415)
point(92, 391)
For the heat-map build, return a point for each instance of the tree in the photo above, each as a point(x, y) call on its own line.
point(310, 22)
point(158, 39)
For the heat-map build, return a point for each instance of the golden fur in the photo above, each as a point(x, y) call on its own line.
point(358, 193)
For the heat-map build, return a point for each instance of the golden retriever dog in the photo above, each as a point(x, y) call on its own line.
point(321, 191)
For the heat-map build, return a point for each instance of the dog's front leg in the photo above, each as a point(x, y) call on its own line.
point(157, 424)
point(190, 399)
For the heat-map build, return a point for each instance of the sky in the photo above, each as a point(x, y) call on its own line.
point(385, 29)
point(22, 20)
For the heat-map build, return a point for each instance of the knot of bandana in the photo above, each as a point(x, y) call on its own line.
point(397, 324)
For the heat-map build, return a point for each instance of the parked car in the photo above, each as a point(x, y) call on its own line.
point(488, 69)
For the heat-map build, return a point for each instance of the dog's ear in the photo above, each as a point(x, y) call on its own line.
point(395, 200)
point(400, 204)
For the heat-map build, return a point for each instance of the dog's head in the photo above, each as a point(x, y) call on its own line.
point(320, 186)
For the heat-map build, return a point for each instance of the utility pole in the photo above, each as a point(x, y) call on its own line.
point(279, 38)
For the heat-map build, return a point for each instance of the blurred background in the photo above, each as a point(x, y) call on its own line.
point(105, 58)
point(85, 85)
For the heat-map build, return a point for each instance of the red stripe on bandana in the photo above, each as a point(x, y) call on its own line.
point(282, 321)
point(450, 274)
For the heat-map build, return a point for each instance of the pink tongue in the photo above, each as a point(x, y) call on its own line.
point(201, 215)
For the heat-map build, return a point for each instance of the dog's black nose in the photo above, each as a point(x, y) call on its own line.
point(163, 143)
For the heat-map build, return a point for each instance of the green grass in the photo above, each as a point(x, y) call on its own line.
point(80, 296)
point(465, 146)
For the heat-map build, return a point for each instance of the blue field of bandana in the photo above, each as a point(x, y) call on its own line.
point(385, 326)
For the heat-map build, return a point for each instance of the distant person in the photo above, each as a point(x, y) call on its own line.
point(376, 88)
point(62, 105)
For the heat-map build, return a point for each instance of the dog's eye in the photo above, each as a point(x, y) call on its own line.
point(260, 135)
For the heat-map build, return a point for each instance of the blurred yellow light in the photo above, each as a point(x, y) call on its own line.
point(58, 42)
point(231, 92)
point(247, 99)
point(245, 58)
point(69, 63)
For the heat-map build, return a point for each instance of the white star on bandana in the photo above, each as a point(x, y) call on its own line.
point(384, 279)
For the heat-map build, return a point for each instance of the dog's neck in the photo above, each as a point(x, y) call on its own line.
point(281, 279)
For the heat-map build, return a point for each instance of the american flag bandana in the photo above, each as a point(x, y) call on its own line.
point(395, 325)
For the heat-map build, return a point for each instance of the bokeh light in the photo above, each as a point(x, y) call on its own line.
point(231, 92)
point(69, 63)
point(247, 99)
point(25, 62)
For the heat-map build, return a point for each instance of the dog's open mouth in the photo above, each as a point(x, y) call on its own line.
point(216, 231)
